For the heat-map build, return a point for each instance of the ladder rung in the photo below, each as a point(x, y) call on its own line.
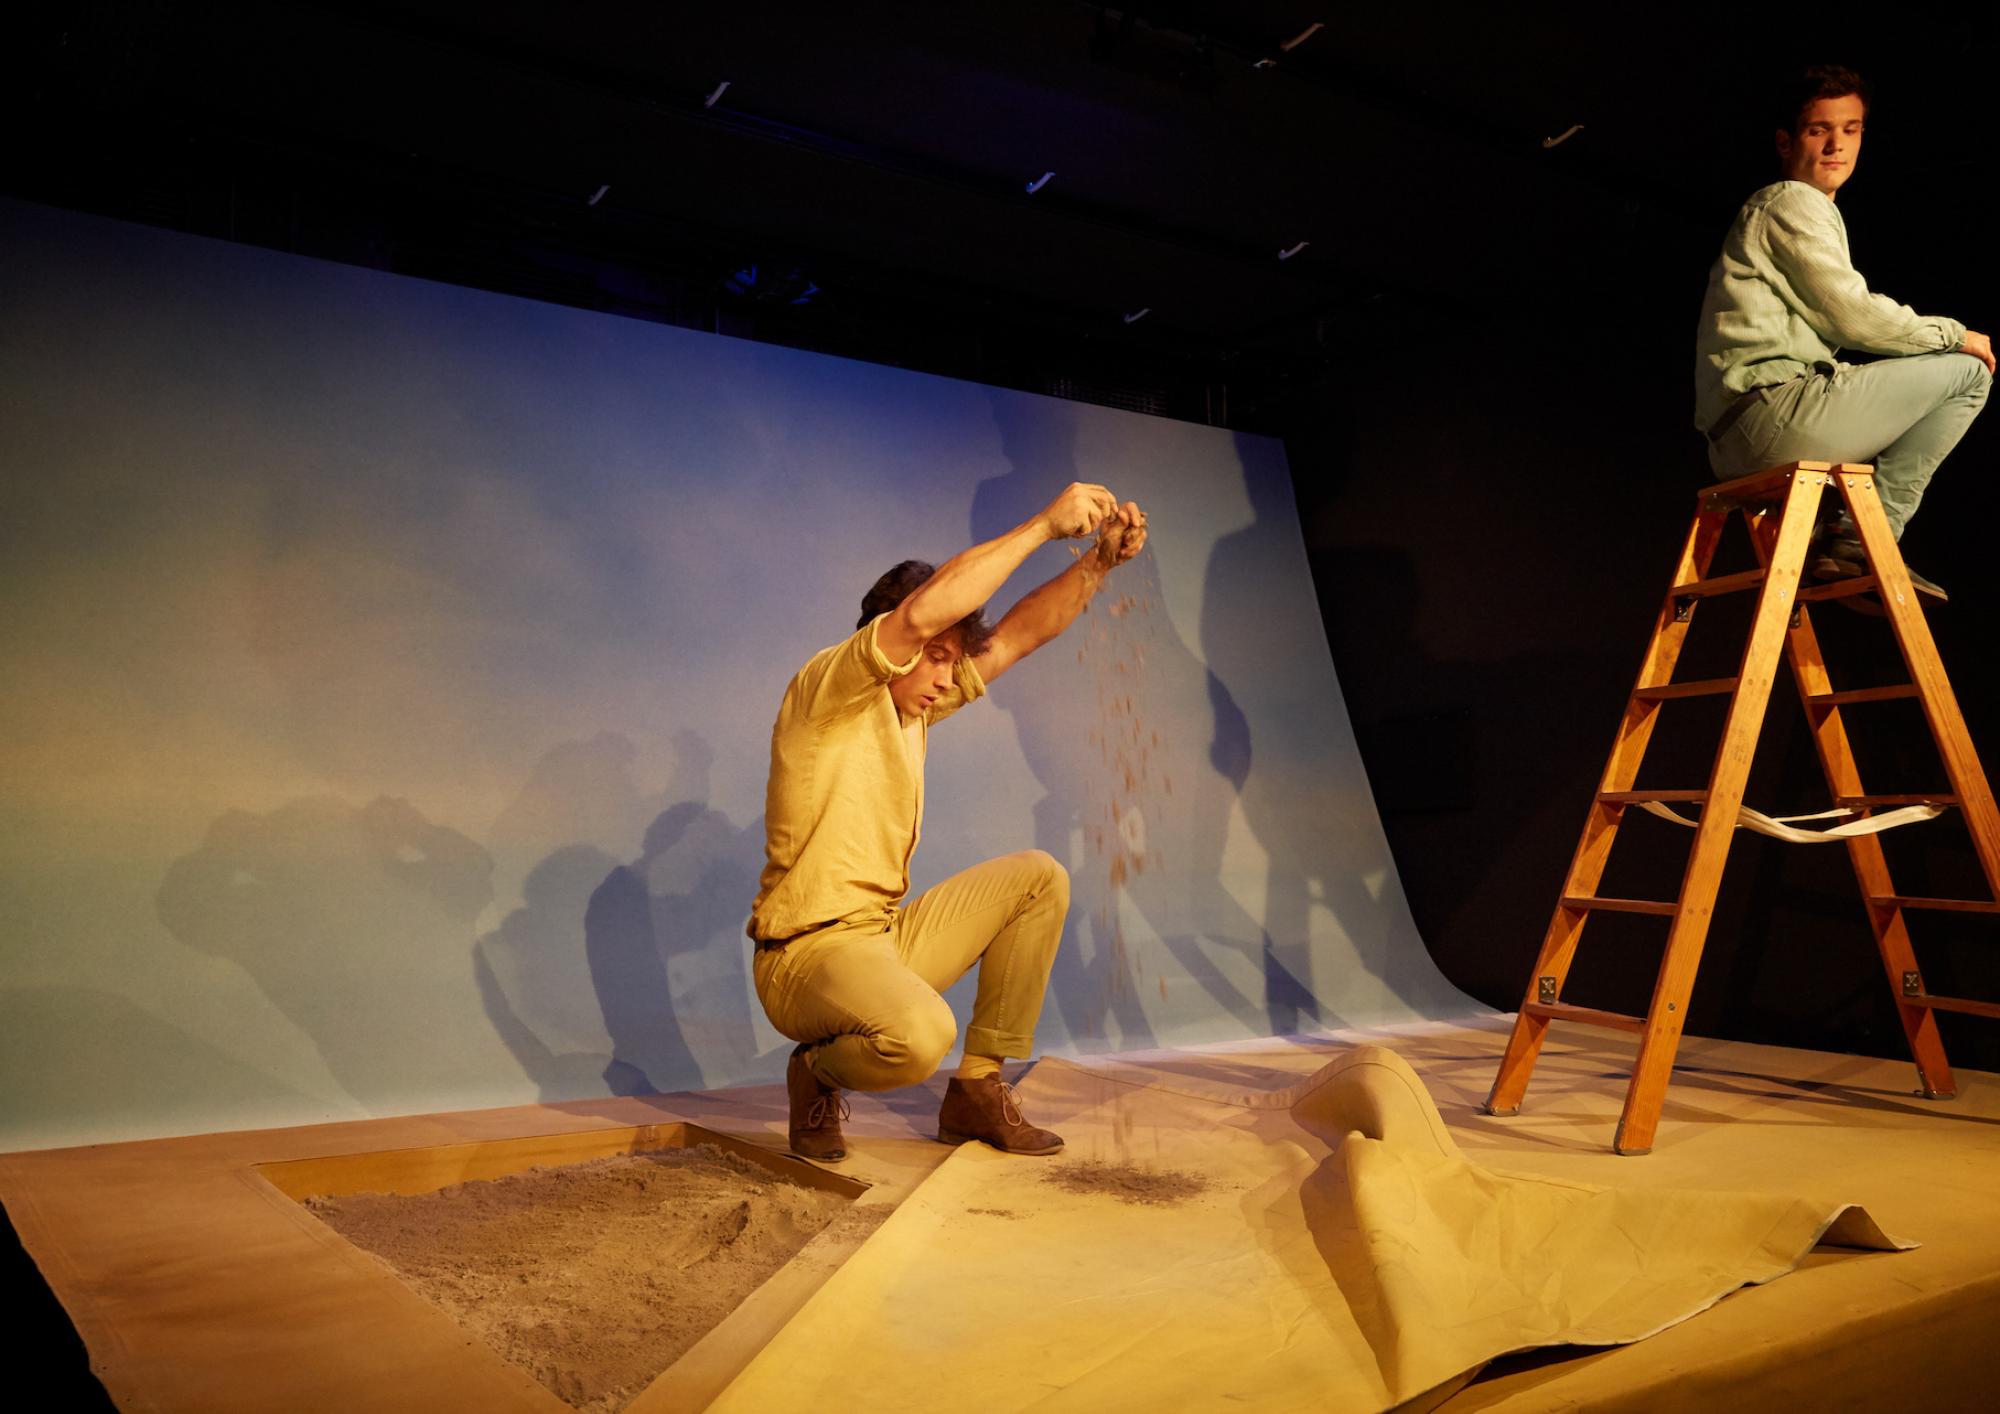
point(1861, 694)
point(1858, 584)
point(1706, 687)
point(1952, 1004)
point(1836, 589)
point(1937, 798)
point(1635, 797)
point(1721, 584)
point(1621, 905)
point(1946, 905)
point(1588, 1016)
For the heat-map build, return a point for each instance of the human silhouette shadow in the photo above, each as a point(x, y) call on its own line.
point(681, 902)
point(356, 924)
point(1312, 816)
point(641, 960)
point(528, 972)
point(1173, 811)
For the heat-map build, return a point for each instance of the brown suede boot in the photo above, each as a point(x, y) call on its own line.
point(817, 1110)
point(985, 1110)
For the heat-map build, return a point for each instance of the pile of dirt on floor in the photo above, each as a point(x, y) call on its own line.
point(593, 1277)
point(1128, 1183)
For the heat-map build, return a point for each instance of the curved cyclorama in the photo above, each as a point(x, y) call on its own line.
point(392, 669)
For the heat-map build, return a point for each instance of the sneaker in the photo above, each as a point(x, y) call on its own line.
point(1923, 585)
point(1841, 557)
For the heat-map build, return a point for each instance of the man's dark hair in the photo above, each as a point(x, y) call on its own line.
point(1811, 85)
point(899, 583)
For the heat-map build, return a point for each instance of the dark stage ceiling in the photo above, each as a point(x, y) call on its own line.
point(871, 163)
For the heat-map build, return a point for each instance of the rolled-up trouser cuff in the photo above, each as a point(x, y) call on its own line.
point(1001, 1045)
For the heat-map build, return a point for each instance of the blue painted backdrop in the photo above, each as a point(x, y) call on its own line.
point(389, 669)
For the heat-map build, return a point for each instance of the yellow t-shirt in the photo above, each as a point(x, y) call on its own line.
point(845, 803)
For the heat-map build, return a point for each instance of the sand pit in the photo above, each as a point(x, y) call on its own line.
point(594, 1277)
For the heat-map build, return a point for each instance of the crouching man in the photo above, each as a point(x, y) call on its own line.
point(843, 966)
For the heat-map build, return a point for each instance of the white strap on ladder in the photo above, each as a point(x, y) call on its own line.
point(1780, 827)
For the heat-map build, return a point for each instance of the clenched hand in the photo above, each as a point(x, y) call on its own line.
point(1080, 510)
point(1122, 537)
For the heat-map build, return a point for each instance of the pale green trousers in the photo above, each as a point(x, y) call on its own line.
point(865, 995)
point(1902, 414)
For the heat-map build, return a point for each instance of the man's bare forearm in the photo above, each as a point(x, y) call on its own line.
point(971, 577)
point(1046, 611)
point(968, 579)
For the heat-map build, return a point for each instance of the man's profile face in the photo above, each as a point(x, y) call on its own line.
point(932, 678)
point(1822, 146)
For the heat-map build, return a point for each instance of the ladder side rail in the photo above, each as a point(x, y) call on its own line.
point(1864, 852)
point(1600, 826)
point(1913, 637)
point(1703, 877)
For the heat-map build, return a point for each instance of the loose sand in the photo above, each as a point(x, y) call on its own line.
point(594, 1277)
point(1128, 1183)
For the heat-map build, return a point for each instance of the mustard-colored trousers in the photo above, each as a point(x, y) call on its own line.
point(868, 993)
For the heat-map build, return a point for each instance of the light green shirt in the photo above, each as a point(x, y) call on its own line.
point(1784, 295)
point(845, 803)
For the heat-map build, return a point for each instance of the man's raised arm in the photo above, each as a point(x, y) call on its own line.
point(971, 577)
point(1048, 610)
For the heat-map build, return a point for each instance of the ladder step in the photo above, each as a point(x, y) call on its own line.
point(1861, 694)
point(1935, 798)
point(1706, 687)
point(1946, 905)
point(1972, 1008)
point(1721, 584)
point(1621, 905)
point(1771, 484)
point(1588, 1016)
point(1634, 797)
point(1859, 584)
point(1836, 589)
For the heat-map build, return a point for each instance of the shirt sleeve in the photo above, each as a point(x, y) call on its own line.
point(848, 675)
point(1822, 285)
point(967, 686)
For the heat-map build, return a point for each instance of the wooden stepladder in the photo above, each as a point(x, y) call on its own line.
point(1780, 506)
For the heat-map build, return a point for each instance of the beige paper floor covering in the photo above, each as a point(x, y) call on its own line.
point(1345, 1256)
point(1311, 1265)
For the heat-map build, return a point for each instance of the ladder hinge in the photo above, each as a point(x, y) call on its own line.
point(1545, 989)
point(1913, 984)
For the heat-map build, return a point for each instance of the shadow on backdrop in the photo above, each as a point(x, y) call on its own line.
point(660, 940)
point(355, 923)
point(53, 1049)
point(528, 970)
point(1138, 809)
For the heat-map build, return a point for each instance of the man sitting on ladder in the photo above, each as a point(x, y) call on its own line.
point(1784, 298)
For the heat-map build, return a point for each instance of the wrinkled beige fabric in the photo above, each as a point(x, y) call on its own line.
point(1343, 1255)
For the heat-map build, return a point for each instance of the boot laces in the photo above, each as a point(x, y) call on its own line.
point(1010, 1108)
point(831, 1106)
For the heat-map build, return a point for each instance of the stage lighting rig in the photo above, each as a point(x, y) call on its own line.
point(761, 285)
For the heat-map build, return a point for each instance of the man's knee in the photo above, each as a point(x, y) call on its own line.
point(1048, 874)
point(912, 1046)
